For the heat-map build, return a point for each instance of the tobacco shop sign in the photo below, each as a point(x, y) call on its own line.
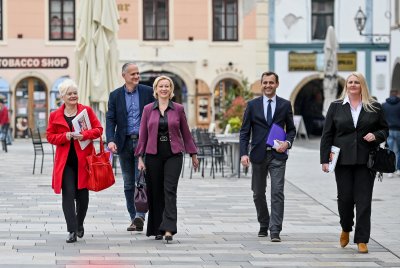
point(33, 62)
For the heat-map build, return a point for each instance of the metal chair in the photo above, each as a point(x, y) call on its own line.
point(38, 148)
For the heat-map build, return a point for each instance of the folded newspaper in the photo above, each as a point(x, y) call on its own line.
point(81, 122)
point(333, 157)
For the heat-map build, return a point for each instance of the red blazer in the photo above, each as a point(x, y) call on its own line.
point(179, 134)
point(56, 130)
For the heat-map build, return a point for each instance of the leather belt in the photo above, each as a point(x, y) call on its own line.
point(269, 149)
point(163, 138)
point(133, 136)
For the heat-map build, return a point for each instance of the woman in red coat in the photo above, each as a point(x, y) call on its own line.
point(70, 175)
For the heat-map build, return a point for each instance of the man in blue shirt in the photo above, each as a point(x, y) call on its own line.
point(125, 107)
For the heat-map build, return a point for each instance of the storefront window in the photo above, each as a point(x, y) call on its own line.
point(30, 107)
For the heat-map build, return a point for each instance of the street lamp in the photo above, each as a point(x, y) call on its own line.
point(360, 19)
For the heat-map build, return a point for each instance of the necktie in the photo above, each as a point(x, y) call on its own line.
point(269, 113)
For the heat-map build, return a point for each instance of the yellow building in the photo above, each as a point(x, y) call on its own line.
point(206, 46)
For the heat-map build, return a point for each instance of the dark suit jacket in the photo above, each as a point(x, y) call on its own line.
point(339, 131)
point(116, 118)
point(178, 130)
point(255, 126)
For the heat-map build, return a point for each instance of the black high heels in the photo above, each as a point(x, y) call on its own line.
point(71, 238)
point(168, 237)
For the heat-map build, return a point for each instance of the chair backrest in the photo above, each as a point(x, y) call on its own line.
point(36, 139)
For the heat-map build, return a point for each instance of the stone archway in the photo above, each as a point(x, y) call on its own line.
point(308, 99)
point(396, 75)
point(180, 91)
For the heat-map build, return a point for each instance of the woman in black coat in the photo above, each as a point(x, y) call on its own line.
point(356, 124)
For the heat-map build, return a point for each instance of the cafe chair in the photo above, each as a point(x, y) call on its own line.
point(38, 149)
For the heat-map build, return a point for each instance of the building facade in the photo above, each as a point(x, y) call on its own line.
point(296, 39)
point(395, 45)
point(207, 47)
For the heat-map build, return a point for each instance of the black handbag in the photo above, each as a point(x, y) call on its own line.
point(382, 160)
point(141, 202)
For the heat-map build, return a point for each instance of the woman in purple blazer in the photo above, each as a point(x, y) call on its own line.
point(164, 137)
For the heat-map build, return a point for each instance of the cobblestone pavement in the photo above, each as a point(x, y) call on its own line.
point(216, 222)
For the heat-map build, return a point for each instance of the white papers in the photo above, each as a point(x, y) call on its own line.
point(277, 143)
point(333, 157)
point(81, 122)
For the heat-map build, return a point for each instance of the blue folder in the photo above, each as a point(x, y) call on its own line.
point(276, 133)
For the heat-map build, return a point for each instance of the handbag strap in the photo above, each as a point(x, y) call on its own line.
point(101, 147)
point(141, 180)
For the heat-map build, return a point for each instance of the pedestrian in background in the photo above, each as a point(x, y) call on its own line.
point(356, 124)
point(70, 172)
point(164, 137)
point(258, 118)
point(4, 123)
point(391, 109)
point(125, 107)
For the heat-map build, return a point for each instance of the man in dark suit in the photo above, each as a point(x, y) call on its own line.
point(125, 107)
point(258, 118)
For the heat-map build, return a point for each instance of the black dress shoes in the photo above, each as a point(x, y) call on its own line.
point(275, 238)
point(80, 232)
point(71, 238)
point(159, 237)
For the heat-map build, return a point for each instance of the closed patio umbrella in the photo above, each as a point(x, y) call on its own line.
point(96, 51)
point(331, 48)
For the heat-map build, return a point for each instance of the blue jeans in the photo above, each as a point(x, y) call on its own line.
point(394, 144)
point(130, 173)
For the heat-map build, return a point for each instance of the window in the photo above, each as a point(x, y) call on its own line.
point(155, 20)
point(62, 20)
point(225, 20)
point(322, 18)
point(1, 19)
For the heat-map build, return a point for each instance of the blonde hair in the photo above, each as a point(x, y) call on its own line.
point(158, 79)
point(65, 85)
point(367, 100)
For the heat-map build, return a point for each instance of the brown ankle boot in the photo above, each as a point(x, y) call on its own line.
point(344, 238)
point(362, 247)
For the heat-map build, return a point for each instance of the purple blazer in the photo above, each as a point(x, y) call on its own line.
point(180, 138)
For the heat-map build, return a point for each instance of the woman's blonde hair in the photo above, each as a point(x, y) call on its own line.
point(171, 83)
point(366, 99)
point(65, 85)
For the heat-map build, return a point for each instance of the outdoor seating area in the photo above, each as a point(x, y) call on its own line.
point(215, 154)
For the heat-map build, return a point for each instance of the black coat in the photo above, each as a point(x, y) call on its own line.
point(339, 131)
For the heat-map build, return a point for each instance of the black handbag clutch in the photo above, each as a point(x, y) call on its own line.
point(382, 160)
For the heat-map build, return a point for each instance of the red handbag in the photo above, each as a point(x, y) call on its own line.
point(101, 175)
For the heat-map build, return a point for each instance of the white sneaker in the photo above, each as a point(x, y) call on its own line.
point(397, 172)
point(390, 175)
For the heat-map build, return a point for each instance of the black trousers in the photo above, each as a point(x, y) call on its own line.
point(355, 184)
point(162, 176)
point(74, 213)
